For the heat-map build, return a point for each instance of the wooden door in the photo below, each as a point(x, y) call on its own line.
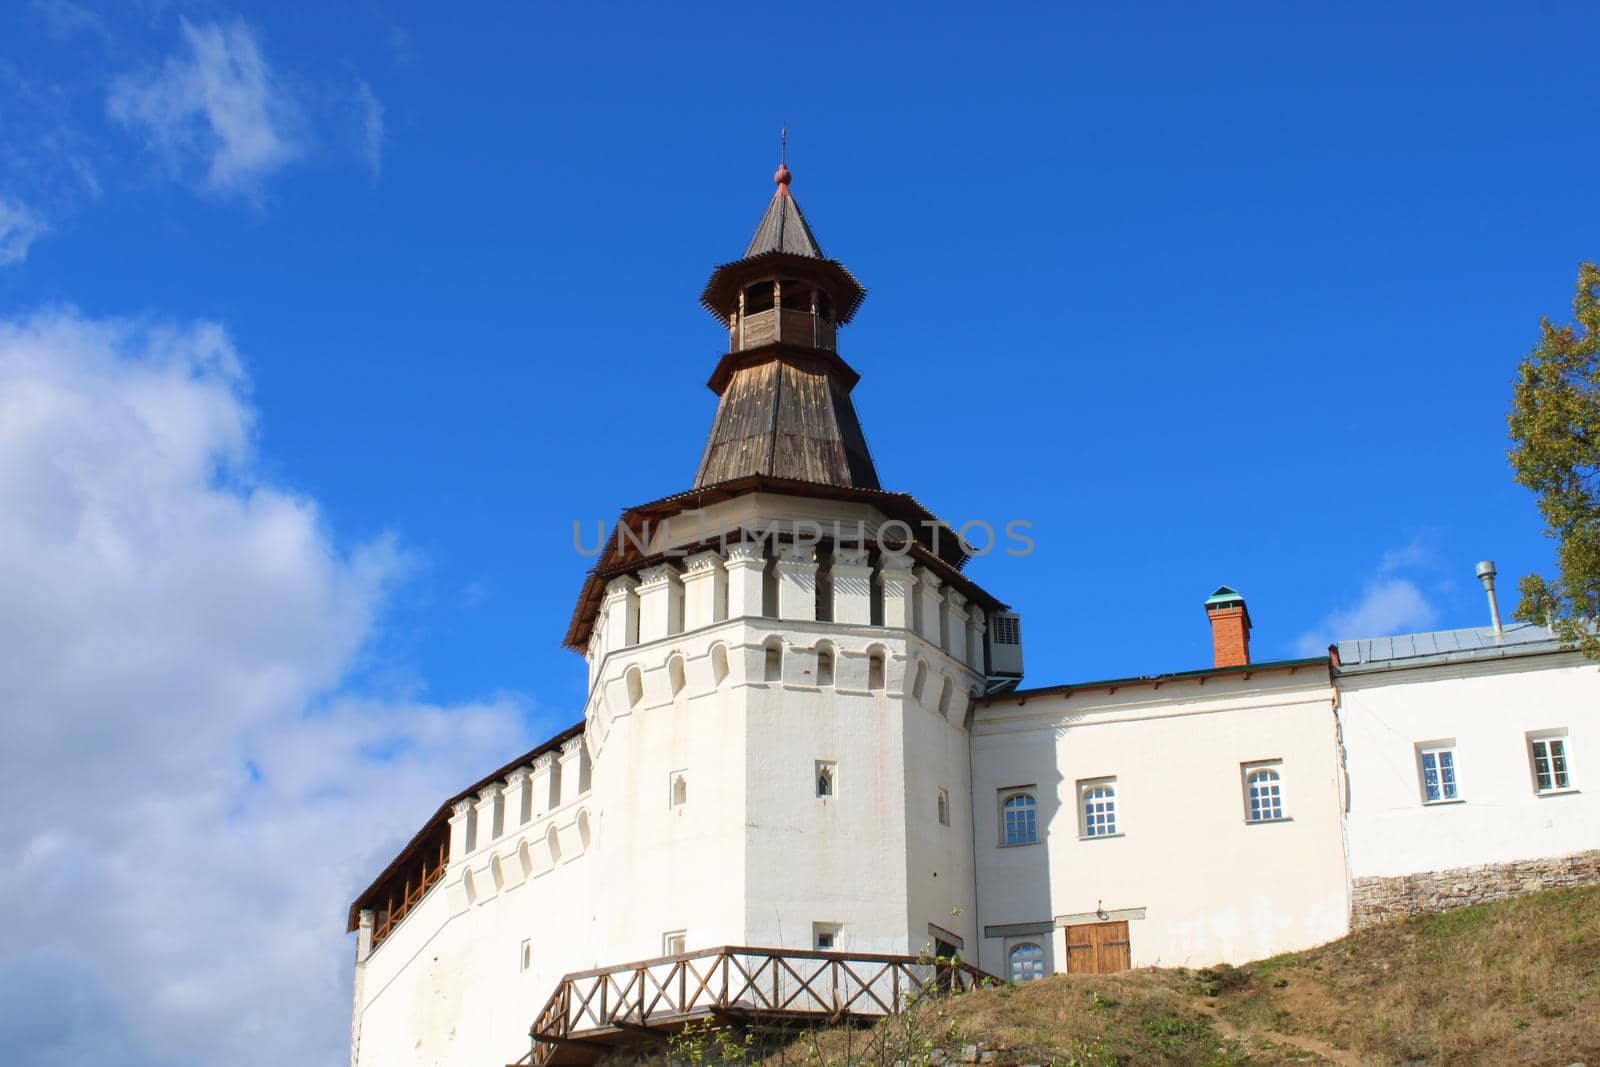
point(1097, 948)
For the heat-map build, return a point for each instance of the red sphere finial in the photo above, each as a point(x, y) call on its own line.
point(782, 175)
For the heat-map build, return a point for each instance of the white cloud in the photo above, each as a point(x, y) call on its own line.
point(1418, 552)
point(1389, 605)
point(218, 104)
point(193, 793)
point(19, 228)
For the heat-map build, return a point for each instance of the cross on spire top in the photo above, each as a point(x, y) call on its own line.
point(782, 176)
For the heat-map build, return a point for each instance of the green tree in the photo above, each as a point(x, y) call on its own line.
point(1555, 433)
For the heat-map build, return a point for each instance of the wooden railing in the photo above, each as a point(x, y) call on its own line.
point(410, 895)
point(739, 984)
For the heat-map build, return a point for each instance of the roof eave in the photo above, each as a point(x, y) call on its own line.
point(727, 278)
point(608, 565)
point(1158, 679)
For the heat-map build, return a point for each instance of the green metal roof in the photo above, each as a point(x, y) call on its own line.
point(1224, 595)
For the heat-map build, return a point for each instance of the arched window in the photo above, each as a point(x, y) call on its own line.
point(824, 665)
point(585, 835)
point(635, 687)
point(945, 692)
point(774, 660)
point(921, 680)
point(875, 670)
point(497, 873)
point(1099, 809)
point(719, 663)
point(1019, 819)
point(470, 884)
point(1027, 962)
point(675, 674)
point(525, 859)
point(552, 841)
point(1264, 788)
point(825, 779)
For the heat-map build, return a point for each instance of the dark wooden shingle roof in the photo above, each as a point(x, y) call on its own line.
point(783, 229)
point(787, 415)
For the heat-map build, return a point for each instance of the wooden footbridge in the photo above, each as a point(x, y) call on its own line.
point(592, 1012)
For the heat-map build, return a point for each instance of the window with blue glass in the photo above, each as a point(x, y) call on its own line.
point(1263, 788)
point(1027, 962)
point(1019, 819)
point(1438, 774)
point(1099, 809)
point(1551, 773)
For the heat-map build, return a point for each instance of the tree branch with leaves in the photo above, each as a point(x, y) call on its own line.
point(1555, 434)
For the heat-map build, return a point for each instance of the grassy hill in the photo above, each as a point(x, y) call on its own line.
point(1516, 982)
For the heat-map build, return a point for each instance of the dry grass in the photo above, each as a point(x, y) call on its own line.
point(1517, 982)
point(1137, 1017)
point(1510, 983)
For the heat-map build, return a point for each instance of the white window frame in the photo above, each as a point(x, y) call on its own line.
point(831, 931)
point(1006, 796)
point(1255, 767)
point(1090, 822)
point(674, 942)
point(1449, 793)
point(1557, 747)
point(1042, 945)
point(825, 768)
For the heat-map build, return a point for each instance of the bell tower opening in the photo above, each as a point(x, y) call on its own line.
point(783, 310)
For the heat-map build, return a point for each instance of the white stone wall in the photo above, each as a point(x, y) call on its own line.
point(1487, 709)
point(1197, 883)
point(447, 985)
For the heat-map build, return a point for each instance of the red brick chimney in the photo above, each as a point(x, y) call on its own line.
point(1230, 628)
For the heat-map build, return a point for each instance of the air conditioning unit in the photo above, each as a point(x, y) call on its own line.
point(1003, 645)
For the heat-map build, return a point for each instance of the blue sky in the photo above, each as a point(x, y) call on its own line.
point(1206, 295)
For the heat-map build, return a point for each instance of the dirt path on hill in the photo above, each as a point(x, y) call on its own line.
point(1325, 1052)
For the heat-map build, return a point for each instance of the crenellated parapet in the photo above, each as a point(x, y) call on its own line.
point(786, 582)
point(521, 826)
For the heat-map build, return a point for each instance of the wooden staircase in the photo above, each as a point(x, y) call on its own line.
point(592, 1012)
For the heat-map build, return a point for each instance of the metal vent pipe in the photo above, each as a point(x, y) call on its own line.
point(1486, 574)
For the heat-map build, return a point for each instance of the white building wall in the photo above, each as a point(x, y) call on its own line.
point(673, 866)
point(1196, 882)
point(871, 858)
point(1487, 709)
point(447, 986)
point(937, 867)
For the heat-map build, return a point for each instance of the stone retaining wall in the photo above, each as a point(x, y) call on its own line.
point(1376, 899)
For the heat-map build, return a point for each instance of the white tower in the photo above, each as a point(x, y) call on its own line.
point(782, 659)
